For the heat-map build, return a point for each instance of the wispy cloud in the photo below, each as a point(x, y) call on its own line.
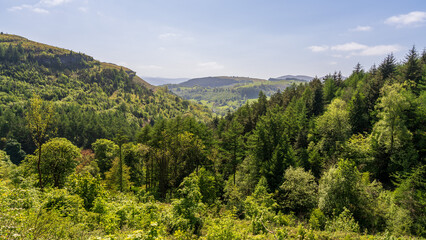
point(210, 66)
point(83, 9)
point(40, 7)
point(361, 29)
point(379, 50)
point(347, 50)
point(318, 48)
point(415, 18)
point(352, 46)
point(51, 3)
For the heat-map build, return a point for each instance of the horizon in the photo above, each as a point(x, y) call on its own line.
point(192, 39)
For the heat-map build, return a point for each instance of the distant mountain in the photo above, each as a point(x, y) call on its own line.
point(157, 81)
point(292, 77)
point(220, 81)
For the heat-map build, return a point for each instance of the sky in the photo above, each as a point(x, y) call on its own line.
point(247, 38)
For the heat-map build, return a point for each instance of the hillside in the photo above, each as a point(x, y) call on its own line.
point(292, 77)
point(89, 96)
point(223, 94)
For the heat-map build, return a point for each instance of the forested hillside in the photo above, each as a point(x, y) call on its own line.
point(92, 99)
point(95, 155)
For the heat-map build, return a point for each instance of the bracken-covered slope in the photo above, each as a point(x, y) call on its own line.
point(92, 99)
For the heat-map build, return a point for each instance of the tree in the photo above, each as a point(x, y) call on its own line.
point(39, 117)
point(118, 177)
point(298, 193)
point(329, 89)
point(387, 67)
point(410, 195)
point(120, 140)
point(260, 207)
point(340, 188)
point(390, 133)
point(358, 114)
point(59, 161)
point(413, 68)
point(105, 152)
point(333, 127)
point(13, 149)
point(233, 144)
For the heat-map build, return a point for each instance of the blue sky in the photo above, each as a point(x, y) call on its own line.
point(197, 38)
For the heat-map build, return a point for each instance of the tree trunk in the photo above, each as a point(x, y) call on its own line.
point(38, 168)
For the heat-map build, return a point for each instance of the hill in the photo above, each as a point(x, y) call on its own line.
point(157, 81)
point(292, 77)
point(89, 96)
point(225, 93)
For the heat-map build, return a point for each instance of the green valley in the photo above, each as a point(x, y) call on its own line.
point(226, 94)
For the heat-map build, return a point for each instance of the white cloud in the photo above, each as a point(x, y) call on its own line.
point(52, 3)
point(39, 7)
point(356, 49)
point(18, 8)
point(168, 36)
point(39, 10)
point(318, 48)
point(352, 46)
point(411, 19)
point(379, 50)
point(210, 66)
point(361, 29)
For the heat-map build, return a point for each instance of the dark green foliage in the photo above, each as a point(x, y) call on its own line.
point(13, 149)
point(411, 195)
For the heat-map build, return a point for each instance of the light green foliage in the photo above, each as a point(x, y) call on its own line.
point(317, 220)
point(118, 180)
point(259, 207)
point(391, 132)
point(298, 193)
point(333, 127)
point(59, 159)
point(63, 202)
point(358, 148)
point(222, 228)
point(39, 117)
point(86, 186)
point(344, 222)
point(341, 187)
point(187, 209)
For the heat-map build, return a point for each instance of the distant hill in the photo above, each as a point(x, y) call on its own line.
point(158, 81)
point(226, 93)
point(293, 77)
point(221, 81)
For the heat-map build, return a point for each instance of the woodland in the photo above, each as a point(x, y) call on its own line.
point(91, 151)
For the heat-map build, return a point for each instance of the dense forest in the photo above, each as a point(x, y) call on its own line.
point(91, 153)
